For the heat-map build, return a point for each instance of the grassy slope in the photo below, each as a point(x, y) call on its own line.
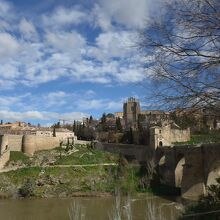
point(57, 180)
point(85, 156)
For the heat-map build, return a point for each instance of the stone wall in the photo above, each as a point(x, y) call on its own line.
point(4, 158)
point(32, 143)
point(28, 144)
point(166, 136)
point(15, 142)
point(4, 151)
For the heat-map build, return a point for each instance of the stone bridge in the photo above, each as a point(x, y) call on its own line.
point(189, 167)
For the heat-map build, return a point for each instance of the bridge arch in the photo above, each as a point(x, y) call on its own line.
point(213, 173)
point(162, 160)
point(159, 157)
point(179, 170)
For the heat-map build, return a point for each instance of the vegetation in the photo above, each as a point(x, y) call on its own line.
point(40, 179)
point(18, 156)
point(183, 50)
point(27, 189)
point(83, 155)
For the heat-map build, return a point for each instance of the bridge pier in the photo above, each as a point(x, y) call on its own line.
point(193, 186)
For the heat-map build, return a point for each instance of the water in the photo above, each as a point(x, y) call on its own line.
point(144, 207)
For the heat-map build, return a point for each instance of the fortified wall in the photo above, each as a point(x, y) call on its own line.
point(4, 151)
point(27, 144)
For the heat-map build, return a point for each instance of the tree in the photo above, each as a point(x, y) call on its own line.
point(57, 125)
point(90, 119)
point(118, 124)
point(103, 123)
point(54, 132)
point(183, 54)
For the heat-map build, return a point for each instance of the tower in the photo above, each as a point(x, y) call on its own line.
point(131, 110)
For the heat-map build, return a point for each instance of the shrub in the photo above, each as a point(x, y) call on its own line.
point(27, 189)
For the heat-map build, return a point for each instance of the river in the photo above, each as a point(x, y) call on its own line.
point(142, 208)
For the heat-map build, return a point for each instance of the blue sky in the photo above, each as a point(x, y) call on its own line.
point(68, 59)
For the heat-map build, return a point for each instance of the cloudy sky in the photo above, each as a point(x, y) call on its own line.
point(69, 58)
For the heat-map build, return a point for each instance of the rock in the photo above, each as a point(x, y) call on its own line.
point(40, 182)
point(52, 180)
point(63, 181)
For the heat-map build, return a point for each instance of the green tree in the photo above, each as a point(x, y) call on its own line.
point(103, 123)
point(118, 125)
point(90, 119)
point(54, 132)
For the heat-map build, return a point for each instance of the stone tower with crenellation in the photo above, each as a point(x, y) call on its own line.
point(131, 110)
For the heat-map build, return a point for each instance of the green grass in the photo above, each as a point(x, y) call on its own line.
point(85, 156)
point(18, 156)
point(89, 179)
point(75, 179)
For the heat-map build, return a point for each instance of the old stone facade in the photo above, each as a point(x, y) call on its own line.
point(167, 134)
point(131, 110)
point(119, 115)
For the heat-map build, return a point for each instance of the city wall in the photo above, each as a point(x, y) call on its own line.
point(15, 142)
point(4, 151)
point(28, 144)
point(32, 143)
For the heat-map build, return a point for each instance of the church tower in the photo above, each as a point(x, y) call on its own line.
point(131, 110)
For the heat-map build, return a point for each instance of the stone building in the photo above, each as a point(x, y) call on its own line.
point(201, 119)
point(149, 118)
point(167, 134)
point(131, 110)
point(119, 115)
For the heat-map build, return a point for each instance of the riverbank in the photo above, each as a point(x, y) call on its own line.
point(80, 171)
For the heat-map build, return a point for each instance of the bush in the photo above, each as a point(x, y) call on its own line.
point(27, 189)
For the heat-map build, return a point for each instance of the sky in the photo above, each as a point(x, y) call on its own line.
point(68, 59)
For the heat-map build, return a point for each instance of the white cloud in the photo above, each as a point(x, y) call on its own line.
point(60, 52)
point(64, 16)
point(101, 19)
point(37, 115)
point(71, 42)
point(113, 44)
point(5, 8)
point(96, 104)
point(129, 75)
point(8, 44)
point(27, 29)
point(129, 13)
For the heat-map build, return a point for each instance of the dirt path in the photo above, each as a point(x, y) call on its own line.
point(62, 166)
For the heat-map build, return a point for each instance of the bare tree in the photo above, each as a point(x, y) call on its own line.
point(182, 51)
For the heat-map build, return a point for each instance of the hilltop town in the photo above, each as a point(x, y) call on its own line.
point(165, 140)
point(154, 128)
